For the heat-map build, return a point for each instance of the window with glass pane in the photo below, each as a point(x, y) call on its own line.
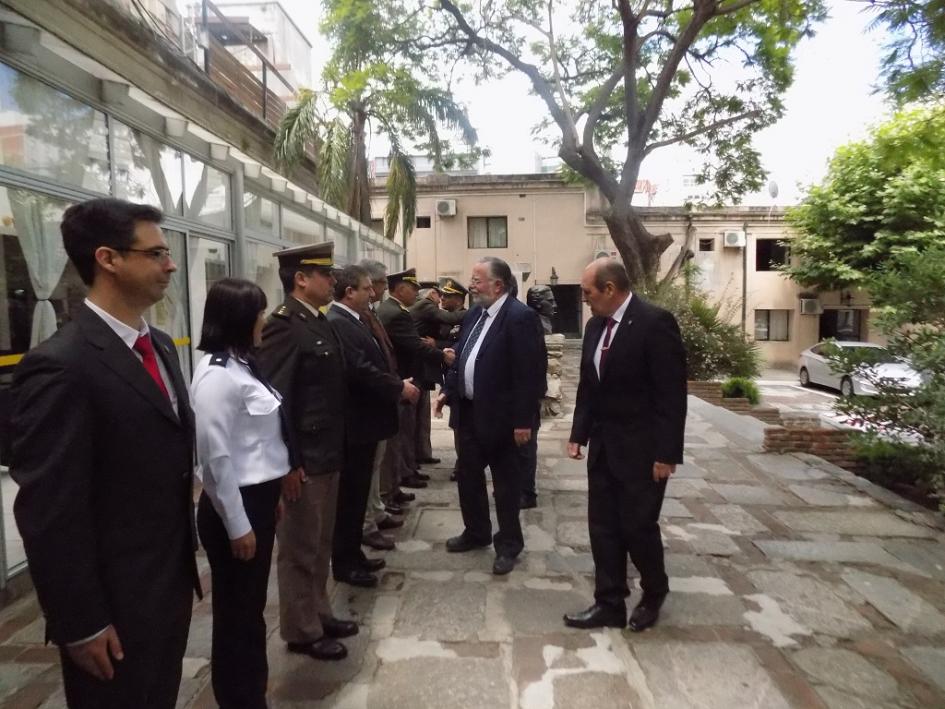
point(170, 314)
point(300, 229)
point(261, 215)
point(487, 232)
point(263, 269)
point(146, 170)
point(208, 262)
point(206, 193)
point(51, 135)
point(342, 241)
point(772, 325)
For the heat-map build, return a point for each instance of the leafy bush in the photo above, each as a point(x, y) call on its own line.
point(900, 466)
point(741, 388)
point(714, 346)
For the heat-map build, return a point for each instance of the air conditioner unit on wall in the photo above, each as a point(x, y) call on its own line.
point(446, 207)
point(734, 239)
point(607, 253)
point(811, 306)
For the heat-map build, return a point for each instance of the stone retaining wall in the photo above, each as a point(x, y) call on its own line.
point(711, 392)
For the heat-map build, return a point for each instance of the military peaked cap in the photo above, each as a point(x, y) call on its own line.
point(318, 255)
point(409, 276)
point(450, 286)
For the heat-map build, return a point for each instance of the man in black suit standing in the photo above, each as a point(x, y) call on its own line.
point(493, 392)
point(370, 416)
point(631, 408)
point(103, 454)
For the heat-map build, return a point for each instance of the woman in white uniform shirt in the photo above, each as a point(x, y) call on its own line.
point(242, 458)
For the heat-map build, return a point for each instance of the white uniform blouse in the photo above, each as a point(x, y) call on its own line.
point(239, 436)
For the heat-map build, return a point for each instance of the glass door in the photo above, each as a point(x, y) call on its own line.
point(208, 261)
point(170, 315)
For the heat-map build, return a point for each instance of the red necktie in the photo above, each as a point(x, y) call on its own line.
point(605, 348)
point(144, 347)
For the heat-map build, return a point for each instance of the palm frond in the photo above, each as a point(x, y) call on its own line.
point(333, 162)
point(298, 128)
point(401, 193)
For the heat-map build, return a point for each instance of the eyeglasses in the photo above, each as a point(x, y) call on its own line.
point(160, 254)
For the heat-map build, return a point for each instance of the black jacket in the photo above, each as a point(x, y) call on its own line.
point(509, 376)
point(373, 389)
point(105, 470)
point(637, 408)
point(303, 359)
point(411, 352)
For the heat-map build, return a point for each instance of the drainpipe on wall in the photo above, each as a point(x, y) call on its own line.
point(745, 280)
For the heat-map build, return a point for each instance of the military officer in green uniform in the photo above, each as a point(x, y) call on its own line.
point(453, 300)
point(302, 358)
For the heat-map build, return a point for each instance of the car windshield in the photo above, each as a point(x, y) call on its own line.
point(873, 355)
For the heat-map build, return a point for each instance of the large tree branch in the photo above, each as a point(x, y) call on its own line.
point(630, 24)
point(733, 7)
point(699, 131)
point(597, 108)
point(553, 51)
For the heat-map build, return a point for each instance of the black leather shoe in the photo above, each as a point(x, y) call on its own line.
point(321, 649)
point(528, 502)
point(372, 565)
point(390, 523)
point(428, 461)
point(357, 577)
point(463, 543)
point(597, 616)
point(402, 497)
point(413, 482)
point(338, 628)
point(394, 509)
point(454, 475)
point(503, 565)
point(646, 613)
point(378, 541)
point(421, 476)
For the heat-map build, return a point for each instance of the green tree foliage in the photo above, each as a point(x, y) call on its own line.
point(375, 80)
point(625, 78)
point(881, 196)
point(741, 388)
point(909, 296)
point(913, 68)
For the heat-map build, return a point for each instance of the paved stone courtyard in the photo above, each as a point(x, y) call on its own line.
point(794, 584)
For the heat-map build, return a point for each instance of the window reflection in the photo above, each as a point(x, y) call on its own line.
point(263, 270)
point(206, 193)
point(208, 262)
point(147, 171)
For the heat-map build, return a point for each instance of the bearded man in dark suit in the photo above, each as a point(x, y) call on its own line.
point(103, 454)
point(631, 411)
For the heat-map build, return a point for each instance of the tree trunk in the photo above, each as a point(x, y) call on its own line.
point(639, 249)
point(359, 198)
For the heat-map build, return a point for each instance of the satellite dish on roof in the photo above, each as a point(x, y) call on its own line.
point(773, 189)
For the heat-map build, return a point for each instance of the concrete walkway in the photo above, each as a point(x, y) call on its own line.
point(794, 585)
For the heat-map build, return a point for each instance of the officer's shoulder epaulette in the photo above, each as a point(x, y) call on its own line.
point(220, 359)
point(282, 312)
point(404, 307)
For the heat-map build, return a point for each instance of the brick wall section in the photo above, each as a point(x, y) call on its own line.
point(711, 392)
point(833, 445)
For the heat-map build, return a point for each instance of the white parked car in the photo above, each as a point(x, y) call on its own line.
point(814, 368)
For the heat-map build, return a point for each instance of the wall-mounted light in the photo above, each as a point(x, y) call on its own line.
point(553, 279)
point(219, 152)
point(252, 170)
point(175, 127)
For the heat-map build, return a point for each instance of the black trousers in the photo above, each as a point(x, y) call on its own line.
point(528, 460)
point(238, 665)
point(354, 488)
point(148, 677)
point(502, 459)
point(623, 518)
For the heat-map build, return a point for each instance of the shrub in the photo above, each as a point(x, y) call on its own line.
point(900, 466)
point(741, 388)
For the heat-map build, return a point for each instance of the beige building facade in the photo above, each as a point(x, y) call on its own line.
point(548, 230)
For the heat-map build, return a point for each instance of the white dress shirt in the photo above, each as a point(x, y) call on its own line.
point(239, 436)
point(618, 317)
point(129, 336)
point(469, 372)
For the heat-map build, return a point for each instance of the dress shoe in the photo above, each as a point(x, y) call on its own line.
point(503, 565)
point(372, 565)
point(646, 613)
point(463, 543)
point(528, 502)
point(421, 476)
point(428, 461)
point(338, 628)
point(401, 497)
point(597, 616)
point(357, 577)
point(378, 541)
point(413, 482)
point(393, 509)
point(321, 649)
point(454, 476)
point(390, 523)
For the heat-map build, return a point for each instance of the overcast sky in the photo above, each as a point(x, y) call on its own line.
point(831, 102)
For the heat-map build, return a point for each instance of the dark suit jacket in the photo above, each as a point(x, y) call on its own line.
point(637, 408)
point(509, 379)
point(105, 470)
point(411, 352)
point(303, 359)
point(373, 388)
point(430, 318)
